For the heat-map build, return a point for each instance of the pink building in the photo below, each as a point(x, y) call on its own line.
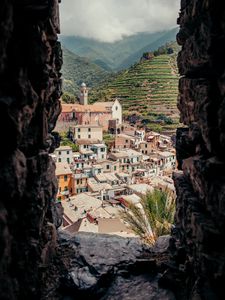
point(99, 113)
point(86, 114)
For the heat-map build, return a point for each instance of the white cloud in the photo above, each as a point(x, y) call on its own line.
point(110, 20)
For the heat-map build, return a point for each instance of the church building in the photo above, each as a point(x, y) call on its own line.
point(99, 113)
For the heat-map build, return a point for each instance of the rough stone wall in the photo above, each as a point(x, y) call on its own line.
point(30, 86)
point(199, 237)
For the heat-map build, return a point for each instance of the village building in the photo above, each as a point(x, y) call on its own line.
point(99, 150)
point(168, 160)
point(109, 178)
point(154, 139)
point(80, 182)
point(129, 159)
point(85, 213)
point(64, 154)
point(146, 148)
point(104, 190)
point(86, 132)
point(109, 166)
point(124, 141)
point(87, 143)
point(65, 180)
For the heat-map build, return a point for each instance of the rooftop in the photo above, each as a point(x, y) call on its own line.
point(106, 177)
point(141, 188)
point(97, 187)
point(99, 145)
point(87, 126)
point(64, 148)
point(112, 226)
point(125, 153)
point(62, 169)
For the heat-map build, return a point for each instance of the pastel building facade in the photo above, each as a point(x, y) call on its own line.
point(99, 113)
point(65, 181)
point(86, 132)
point(64, 154)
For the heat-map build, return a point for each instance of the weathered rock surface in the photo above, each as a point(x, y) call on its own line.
point(111, 267)
point(30, 87)
point(198, 247)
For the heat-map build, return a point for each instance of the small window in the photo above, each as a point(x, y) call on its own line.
point(68, 160)
point(102, 149)
point(60, 159)
point(114, 168)
point(78, 181)
point(78, 129)
point(127, 141)
point(89, 136)
point(78, 136)
point(67, 152)
point(65, 177)
point(146, 145)
point(60, 152)
point(108, 167)
point(89, 129)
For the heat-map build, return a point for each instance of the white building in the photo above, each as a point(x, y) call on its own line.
point(100, 151)
point(115, 108)
point(64, 154)
point(128, 159)
point(168, 159)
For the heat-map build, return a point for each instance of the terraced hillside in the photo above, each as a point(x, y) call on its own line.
point(149, 89)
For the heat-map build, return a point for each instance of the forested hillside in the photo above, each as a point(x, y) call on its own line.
point(77, 69)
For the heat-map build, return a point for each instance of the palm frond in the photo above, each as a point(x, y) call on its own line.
point(154, 217)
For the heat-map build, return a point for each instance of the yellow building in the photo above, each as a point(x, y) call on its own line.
point(65, 181)
point(88, 132)
point(80, 183)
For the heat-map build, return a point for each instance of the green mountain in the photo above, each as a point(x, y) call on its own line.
point(134, 57)
point(148, 89)
point(78, 69)
point(120, 54)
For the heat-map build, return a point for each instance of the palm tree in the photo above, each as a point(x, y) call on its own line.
point(152, 217)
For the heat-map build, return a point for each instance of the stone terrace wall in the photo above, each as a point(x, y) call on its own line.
point(200, 218)
point(30, 86)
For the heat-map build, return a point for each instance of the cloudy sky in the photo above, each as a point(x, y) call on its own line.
point(110, 20)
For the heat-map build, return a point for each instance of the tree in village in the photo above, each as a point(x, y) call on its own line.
point(153, 217)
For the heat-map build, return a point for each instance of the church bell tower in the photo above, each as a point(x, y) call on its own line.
point(83, 94)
